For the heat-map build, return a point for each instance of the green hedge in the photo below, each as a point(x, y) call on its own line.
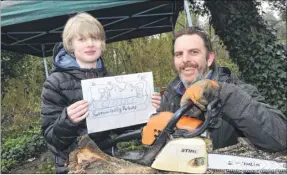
point(20, 146)
point(253, 46)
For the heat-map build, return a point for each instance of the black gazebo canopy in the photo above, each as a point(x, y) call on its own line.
point(34, 27)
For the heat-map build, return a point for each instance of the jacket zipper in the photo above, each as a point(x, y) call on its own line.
point(91, 74)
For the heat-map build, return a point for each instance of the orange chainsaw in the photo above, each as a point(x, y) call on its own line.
point(176, 143)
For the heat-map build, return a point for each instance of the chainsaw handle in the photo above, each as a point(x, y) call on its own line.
point(177, 115)
point(209, 115)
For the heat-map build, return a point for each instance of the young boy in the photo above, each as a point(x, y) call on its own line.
point(63, 108)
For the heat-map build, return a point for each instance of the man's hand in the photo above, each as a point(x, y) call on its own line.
point(201, 93)
point(156, 100)
point(78, 111)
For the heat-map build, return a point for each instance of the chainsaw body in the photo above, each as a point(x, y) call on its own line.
point(173, 140)
point(177, 143)
point(186, 155)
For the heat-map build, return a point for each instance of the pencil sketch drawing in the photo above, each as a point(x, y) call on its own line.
point(119, 96)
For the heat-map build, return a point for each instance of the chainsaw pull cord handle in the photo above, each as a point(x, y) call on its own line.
point(149, 156)
point(212, 112)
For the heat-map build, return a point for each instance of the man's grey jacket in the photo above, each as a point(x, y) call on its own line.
point(244, 113)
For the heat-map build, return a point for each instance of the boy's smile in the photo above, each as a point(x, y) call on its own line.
point(91, 52)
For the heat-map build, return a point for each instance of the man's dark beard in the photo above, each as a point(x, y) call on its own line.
point(200, 76)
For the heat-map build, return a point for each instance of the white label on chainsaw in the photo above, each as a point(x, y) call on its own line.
point(229, 162)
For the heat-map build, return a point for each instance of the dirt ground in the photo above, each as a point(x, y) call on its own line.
point(32, 166)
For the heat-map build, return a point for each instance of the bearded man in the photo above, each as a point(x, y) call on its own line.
point(243, 109)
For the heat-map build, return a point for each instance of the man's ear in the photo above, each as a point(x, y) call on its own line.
point(210, 58)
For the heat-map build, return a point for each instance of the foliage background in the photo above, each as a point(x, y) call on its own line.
point(253, 45)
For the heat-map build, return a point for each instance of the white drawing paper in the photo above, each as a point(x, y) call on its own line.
point(118, 101)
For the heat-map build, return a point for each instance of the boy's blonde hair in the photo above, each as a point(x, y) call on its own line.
point(84, 25)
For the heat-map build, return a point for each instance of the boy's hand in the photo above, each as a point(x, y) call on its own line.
point(156, 100)
point(201, 93)
point(78, 111)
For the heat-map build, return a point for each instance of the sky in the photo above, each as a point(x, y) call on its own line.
point(266, 8)
point(264, 5)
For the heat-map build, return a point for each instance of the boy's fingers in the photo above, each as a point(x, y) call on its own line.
point(156, 96)
point(155, 105)
point(80, 113)
point(79, 107)
point(75, 105)
point(82, 117)
point(156, 101)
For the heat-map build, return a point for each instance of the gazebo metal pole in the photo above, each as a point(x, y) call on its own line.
point(44, 59)
point(188, 16)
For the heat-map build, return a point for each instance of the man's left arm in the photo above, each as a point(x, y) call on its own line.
point(263, 125)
